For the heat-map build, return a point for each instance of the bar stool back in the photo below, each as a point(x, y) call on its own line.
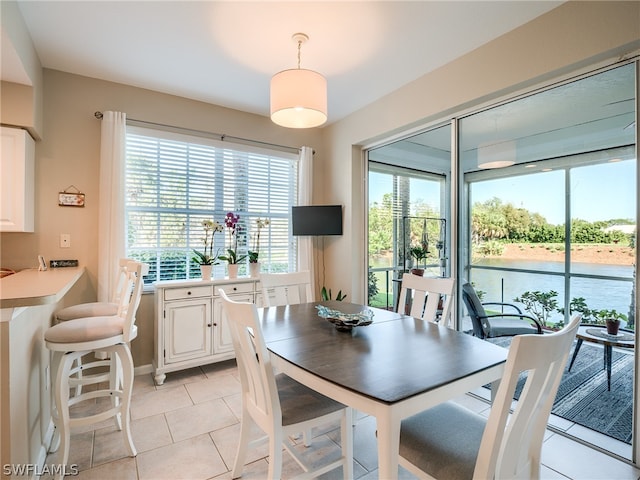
point(97, 309)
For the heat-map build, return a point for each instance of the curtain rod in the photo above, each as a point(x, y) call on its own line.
point(220, 136)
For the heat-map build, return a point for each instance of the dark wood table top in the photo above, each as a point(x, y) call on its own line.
point(394, 358)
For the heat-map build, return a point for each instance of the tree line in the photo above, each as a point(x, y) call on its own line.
point(494, 220)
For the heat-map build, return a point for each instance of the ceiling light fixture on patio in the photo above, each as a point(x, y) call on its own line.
point(299, 96)
point(497, 154)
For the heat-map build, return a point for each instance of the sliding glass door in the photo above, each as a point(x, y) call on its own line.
point(409, 191)
point(545, 218)
point(548, 223)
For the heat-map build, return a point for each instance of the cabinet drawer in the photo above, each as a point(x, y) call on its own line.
point(187, 292)
point(233, 288)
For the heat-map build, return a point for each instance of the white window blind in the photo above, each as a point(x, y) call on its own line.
point(175, 181)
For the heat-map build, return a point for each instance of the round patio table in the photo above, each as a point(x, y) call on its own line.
point(598, 334)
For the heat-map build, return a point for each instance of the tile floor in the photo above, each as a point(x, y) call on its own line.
point(188, 428)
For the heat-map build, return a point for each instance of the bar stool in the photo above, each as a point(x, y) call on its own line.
point(93, 309)
point(97, 309)
point(72, 339)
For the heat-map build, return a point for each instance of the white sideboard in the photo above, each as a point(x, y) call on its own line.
point(190, 328)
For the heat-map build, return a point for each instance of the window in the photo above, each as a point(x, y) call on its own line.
point(175, 181)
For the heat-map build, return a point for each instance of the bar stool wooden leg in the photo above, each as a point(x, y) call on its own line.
point(62, 406)
point(124, 354)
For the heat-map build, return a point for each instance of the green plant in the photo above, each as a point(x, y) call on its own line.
point(419, 252)
point(372, 290)
point(539, 304)
point(603, 315)
point(207, 257)
point(326, 295)
point(579, 305)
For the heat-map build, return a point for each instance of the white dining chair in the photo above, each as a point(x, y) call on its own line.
point(452, 442)
point(425, 295)
point(72, 339)
point(277, 404)
point(286, 288)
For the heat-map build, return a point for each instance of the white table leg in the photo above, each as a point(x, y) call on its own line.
point(388, 444)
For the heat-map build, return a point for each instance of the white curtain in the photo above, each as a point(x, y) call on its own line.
point(305, 197)
point(111, 228)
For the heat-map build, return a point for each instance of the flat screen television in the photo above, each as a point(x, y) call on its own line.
point(317, 220)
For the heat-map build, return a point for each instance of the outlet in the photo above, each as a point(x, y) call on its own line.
point(65, 240)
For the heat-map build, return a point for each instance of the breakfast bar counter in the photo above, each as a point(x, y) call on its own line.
point(28, 300)
point(32, 287)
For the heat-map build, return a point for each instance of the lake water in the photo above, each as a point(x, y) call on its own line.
point(503, 286)
point(598, 294)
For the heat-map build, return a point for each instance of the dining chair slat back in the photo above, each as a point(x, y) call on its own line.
point(286, 288)
point(425, 296)
point(450, 441)
point(280, 406)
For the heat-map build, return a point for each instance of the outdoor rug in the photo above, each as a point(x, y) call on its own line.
point(583, 397)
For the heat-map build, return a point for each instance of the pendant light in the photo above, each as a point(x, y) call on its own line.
point(497, 154)
point(299, 96)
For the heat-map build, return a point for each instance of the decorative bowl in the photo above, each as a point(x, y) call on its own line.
point(345, 322)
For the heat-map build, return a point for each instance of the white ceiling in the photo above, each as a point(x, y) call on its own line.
point(226, 52)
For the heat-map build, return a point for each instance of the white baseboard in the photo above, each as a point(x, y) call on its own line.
point(143, 369)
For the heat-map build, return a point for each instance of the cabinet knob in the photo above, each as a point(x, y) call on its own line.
point(189, 293)
point(235, 288)
point(215, 325)
point(208, 324)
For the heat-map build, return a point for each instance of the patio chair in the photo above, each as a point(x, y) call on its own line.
point(430, 298)
point(498, 324)
point(277, 404)
point(452, 442)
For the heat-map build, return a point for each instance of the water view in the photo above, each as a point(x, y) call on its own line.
point(504, 286)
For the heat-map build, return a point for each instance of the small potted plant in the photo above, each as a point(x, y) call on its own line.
point(611, 319)
point(232, 257)
point(254, 265)
point(206, 259)
point(419, 252)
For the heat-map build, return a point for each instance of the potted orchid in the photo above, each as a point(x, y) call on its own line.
point(232, 257)
point(206, 259)
point(254, 265)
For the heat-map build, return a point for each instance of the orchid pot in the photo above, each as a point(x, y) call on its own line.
point(205, 271)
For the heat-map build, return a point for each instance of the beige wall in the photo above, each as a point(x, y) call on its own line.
point(570, 37)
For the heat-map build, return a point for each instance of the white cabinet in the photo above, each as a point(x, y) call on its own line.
point(17, 177)
point(190, 328)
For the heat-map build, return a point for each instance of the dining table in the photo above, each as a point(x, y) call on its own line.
point(391, 369)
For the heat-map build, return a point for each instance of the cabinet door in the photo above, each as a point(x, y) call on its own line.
point(221, 334)
point(17, 195)
point(187, 330)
